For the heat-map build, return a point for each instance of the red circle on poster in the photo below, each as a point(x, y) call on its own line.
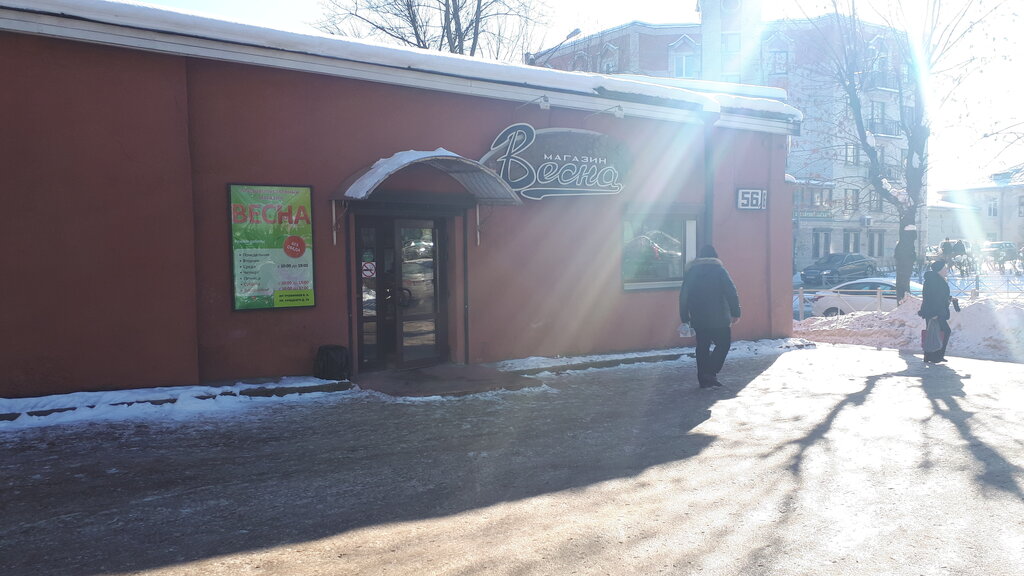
point(294, 246)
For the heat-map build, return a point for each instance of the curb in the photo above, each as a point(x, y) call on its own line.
point(599, 364)
point(261, 392)
point(268, 391)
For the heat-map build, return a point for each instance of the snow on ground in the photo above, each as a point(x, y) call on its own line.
point(738, 349)
point(988, 328)
point(189, 403)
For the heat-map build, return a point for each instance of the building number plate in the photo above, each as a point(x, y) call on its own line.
point(752, 199)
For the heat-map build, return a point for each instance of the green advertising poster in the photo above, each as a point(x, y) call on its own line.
point(272, 246)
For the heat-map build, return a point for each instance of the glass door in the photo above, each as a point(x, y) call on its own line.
point(419, 337)
point(400, 283)
point(375, 252)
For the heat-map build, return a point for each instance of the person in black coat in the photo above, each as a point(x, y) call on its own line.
point(935, 304)
point(708, 302)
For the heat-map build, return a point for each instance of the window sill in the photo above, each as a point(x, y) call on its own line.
point(632, 286)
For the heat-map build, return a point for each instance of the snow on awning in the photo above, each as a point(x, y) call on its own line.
point(480, 181)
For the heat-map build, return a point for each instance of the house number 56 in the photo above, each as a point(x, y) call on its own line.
point(752, 199)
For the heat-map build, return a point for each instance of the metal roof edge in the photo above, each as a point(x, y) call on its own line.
point(153, 29)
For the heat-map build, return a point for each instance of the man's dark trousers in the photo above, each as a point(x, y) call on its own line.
point(709, 363)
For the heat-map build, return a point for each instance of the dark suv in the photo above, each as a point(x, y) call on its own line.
point(833, 268)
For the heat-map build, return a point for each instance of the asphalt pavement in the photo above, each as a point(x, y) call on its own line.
point(837, 460)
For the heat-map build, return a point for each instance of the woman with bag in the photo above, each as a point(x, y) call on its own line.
point(935, 310)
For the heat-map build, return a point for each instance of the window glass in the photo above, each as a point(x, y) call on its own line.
point(731, 43)
point(778, 62)
point(851, 154)
point(686, 65)
point(831, 260)
point(857, 288)
point(851, 199)
point(656, 247)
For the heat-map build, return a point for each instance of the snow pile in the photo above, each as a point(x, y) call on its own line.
point(192, 403)
point(989, 328)
point(167, 404)
point(742, 348)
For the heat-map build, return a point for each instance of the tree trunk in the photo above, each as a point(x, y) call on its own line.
point(905, 255)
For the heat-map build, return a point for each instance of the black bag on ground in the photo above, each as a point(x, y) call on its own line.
point(331, 363)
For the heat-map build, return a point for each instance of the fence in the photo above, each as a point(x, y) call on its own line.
point(964, 288)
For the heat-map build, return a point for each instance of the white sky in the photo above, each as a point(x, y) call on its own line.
point(959, 156)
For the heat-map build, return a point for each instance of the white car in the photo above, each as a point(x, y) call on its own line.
point(866, 294)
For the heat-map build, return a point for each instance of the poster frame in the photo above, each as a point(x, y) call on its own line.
point(231, 246)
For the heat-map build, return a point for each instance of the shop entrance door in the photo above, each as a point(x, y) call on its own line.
point(402, 284)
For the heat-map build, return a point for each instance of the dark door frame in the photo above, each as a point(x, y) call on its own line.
point(388, 302)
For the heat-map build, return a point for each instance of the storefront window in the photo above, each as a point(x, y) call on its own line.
point(656, 248)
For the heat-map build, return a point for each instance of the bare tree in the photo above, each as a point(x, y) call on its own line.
point(917, 42)
point(496, 29)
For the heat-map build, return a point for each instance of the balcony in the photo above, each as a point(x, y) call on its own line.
point(891, 172)
point(878, 79)
point(884, 127)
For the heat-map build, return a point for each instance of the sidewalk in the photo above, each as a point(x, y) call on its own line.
point(837, 460)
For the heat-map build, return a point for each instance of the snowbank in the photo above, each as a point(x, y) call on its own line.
point(989, 328)
point(192, 403)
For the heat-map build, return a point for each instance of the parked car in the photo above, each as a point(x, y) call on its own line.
point(837, 267)
point(417, 285)
point(1000, 251)
point(868, 294)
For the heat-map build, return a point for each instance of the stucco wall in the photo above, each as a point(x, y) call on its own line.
point(98, 258)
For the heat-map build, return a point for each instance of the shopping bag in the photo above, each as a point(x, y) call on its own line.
point(685, 331)
point(931, 337)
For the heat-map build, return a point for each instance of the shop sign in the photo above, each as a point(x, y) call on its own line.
point(272, 246)
point(557, 161)
point(814, 214)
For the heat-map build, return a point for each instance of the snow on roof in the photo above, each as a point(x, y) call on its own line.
point(749, 97)
point(952, 205)
point(143, 18)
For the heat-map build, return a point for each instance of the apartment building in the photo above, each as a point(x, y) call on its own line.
point(991, 212)
point(834, 207)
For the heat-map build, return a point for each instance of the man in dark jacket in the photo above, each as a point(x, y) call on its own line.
point(935, 304)
point(708, 302)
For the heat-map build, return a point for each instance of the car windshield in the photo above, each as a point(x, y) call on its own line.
point(831, 259)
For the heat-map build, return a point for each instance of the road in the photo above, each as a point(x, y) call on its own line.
point(838, 460)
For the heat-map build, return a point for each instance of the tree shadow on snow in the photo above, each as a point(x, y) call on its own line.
point(944, 388)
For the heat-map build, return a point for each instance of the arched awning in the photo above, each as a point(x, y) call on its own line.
point(480, 181)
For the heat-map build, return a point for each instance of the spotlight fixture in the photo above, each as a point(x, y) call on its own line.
point(616, 111)
point(542, 102)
